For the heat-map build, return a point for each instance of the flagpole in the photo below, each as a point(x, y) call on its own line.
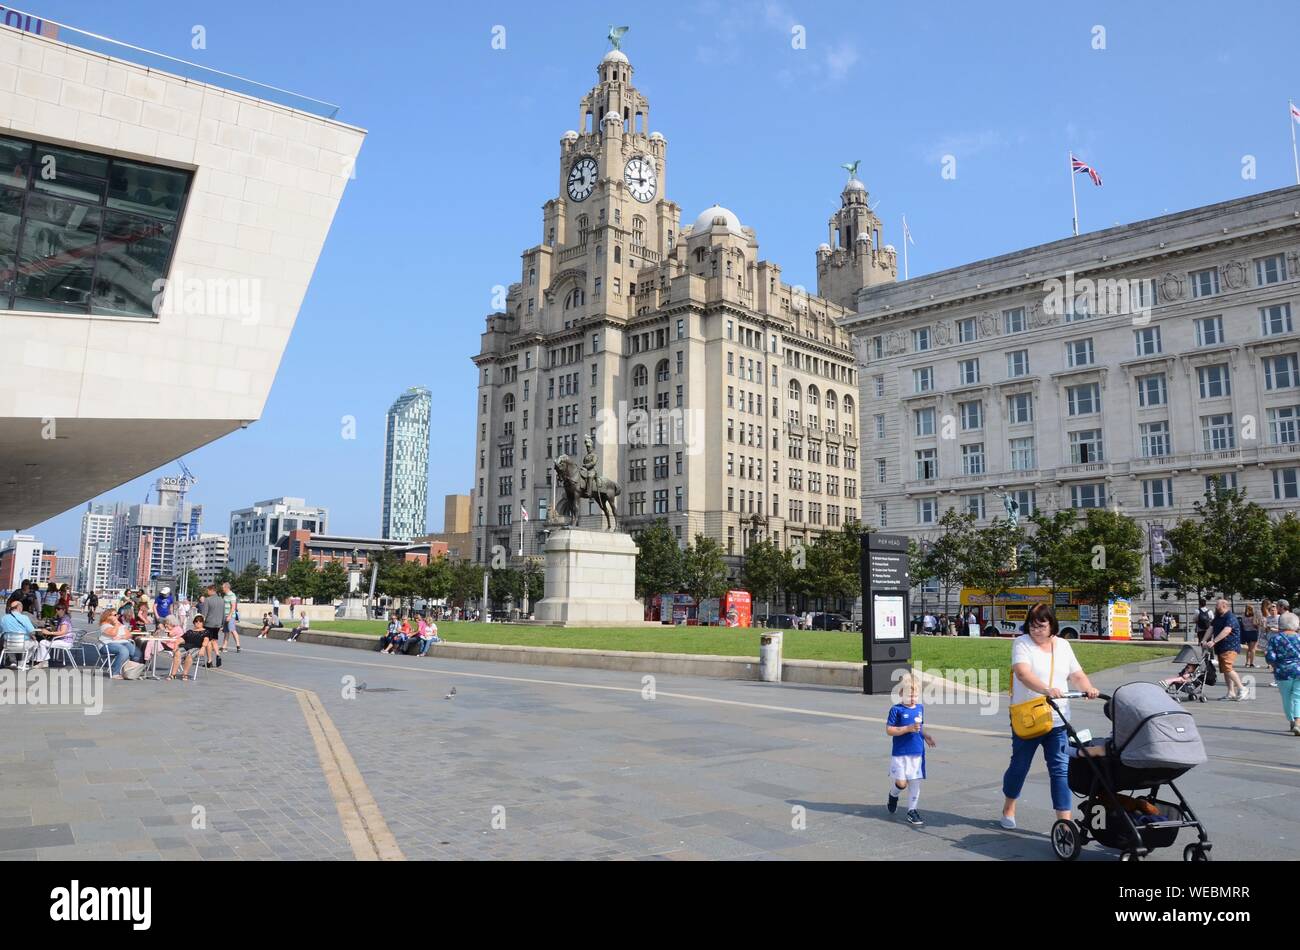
point(521, 533)
point(1074, 197)
point(904, 247)
point(1295, 157)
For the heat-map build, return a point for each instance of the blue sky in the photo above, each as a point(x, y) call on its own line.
point(464, 141)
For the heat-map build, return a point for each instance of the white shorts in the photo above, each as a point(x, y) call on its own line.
point(906, 767)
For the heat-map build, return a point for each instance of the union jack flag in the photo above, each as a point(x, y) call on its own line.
point(1080, 168)
point(1295, 113)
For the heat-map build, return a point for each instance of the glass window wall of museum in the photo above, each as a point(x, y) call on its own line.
point(84, 233)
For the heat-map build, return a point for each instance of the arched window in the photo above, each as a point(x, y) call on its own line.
point(640, 376)
point(830, 400)
point(508, 403)
point(661, 372)
point(848, 405)
point(813, 395)
point(532, 276)
point(638, 231)
point(618, 254)
point(575, 298)
point(795, 393)
point(699, 255)
point(583, 223)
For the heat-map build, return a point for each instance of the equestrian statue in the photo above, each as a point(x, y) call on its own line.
point(576, 481)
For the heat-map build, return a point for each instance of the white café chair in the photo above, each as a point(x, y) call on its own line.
point(69, 658)
point(19, 645)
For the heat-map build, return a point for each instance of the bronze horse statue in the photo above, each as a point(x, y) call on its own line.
point(570, 489)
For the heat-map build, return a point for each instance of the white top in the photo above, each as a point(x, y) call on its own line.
point(1024, 650)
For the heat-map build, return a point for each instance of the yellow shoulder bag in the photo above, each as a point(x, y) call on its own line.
point(1033, 718)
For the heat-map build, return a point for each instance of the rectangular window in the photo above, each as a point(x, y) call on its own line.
point(1275, 319)
point(93, 237)
point(927, 464)
point(1270, 270)
point(1155, 439)
point(1013, 320)
point(1284, 425)
point(1088, 495)
point(972, 415)
point(1215, 381)
point(921, 339)
point(1217, 433)
point(1022, 454)
point(927, 510)
point(1209, 331)
point(1286, 483)
point(973, 505)
point(1151, 390)
point(883, 513)
point(1147, 341)
point(972, 459)
point(881, 468)
point(923, 379)
point(1226, 481)
point(969, 372)
point(1086, 447)
point(1083, 400)
point(1079, 352)
point(1020, 408)
point(1205, 283)
point(1158, 493)
point(880, 427)
point(1280, 372)
point(967, 331)
point(879, 383)
point(924, 421)
point(1026, 499)
point(1017, 363)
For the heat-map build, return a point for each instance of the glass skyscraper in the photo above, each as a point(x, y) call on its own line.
point(406, 465)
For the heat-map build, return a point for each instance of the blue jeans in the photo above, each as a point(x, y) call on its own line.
point(1055, 754)
point(424, 644)
point(121, 651)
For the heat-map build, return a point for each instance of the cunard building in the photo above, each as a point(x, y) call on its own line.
point(722, 398)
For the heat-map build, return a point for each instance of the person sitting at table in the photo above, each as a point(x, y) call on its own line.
point(116, 638)
point(190, 642)
point(16, 626)
point(62, 632)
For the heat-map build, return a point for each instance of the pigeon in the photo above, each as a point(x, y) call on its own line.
point(452, 694)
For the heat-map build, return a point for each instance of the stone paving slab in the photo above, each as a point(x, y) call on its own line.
point(576, 763)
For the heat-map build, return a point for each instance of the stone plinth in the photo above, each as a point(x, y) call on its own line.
point(590, 580)
point(354, 608)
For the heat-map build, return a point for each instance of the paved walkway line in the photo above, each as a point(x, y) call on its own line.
point(630, 689)
point(359, 813)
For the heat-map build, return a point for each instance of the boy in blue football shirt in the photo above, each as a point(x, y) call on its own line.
point(907, 759)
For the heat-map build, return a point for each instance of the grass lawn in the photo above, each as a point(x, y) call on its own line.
point(932, 652)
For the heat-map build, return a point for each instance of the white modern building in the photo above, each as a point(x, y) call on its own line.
point(256, 530)
point(1130, 368)
point(406, 465)
point(20, 560)
point(205, 555)
point(182, 225)
point(98, 536)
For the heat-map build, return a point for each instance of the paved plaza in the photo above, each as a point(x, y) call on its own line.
point(545, 763)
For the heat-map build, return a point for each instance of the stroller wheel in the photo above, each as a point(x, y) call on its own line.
point(1066, 840)
point(1130, 856)
point(1196, 852)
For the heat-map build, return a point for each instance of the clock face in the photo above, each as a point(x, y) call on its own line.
point(582, 178)
point(640, 178)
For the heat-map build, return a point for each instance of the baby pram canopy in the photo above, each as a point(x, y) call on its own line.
point(1152, 731)
point(1189, 654)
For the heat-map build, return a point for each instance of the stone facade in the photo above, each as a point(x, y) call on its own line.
point(1127, 368)
point(722, 398)
point(590, 580)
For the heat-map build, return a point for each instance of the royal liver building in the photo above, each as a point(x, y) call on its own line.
point(722, 398)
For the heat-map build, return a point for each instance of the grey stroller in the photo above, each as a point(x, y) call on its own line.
point(1155, 742)
point(1198, 672)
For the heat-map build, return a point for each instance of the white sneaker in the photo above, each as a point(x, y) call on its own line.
point(1008, 822)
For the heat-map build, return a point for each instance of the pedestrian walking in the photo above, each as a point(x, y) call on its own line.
point(1250, 634)
point(1225, 639)
point(907, 753)
point(1283, 655)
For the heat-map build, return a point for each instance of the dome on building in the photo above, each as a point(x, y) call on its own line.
point(612, 117)
point(855, 185)
point(570, 136)
point(718, 215)
point(824, 247)
point(614, 56)
point(890, 249)
point(864, 239)
point(656, 136)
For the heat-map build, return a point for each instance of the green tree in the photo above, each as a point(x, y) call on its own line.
point(942, 559)
point(660, 563)
point(226, 575)
point(402, 581)
point(506, 584)
point(194, 584)
point(1286, 545)
point(704, 573)
point(331, 582)
point(300, 578)
point(1184, 565)
point(1052, 554)
point(766, 570)
point(987, 559)
point(1106, 558)
point(833, 568)
point(1239, 544)
point(435, 579)
point(247, 581)
point(466, 583)
point(273, 585)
